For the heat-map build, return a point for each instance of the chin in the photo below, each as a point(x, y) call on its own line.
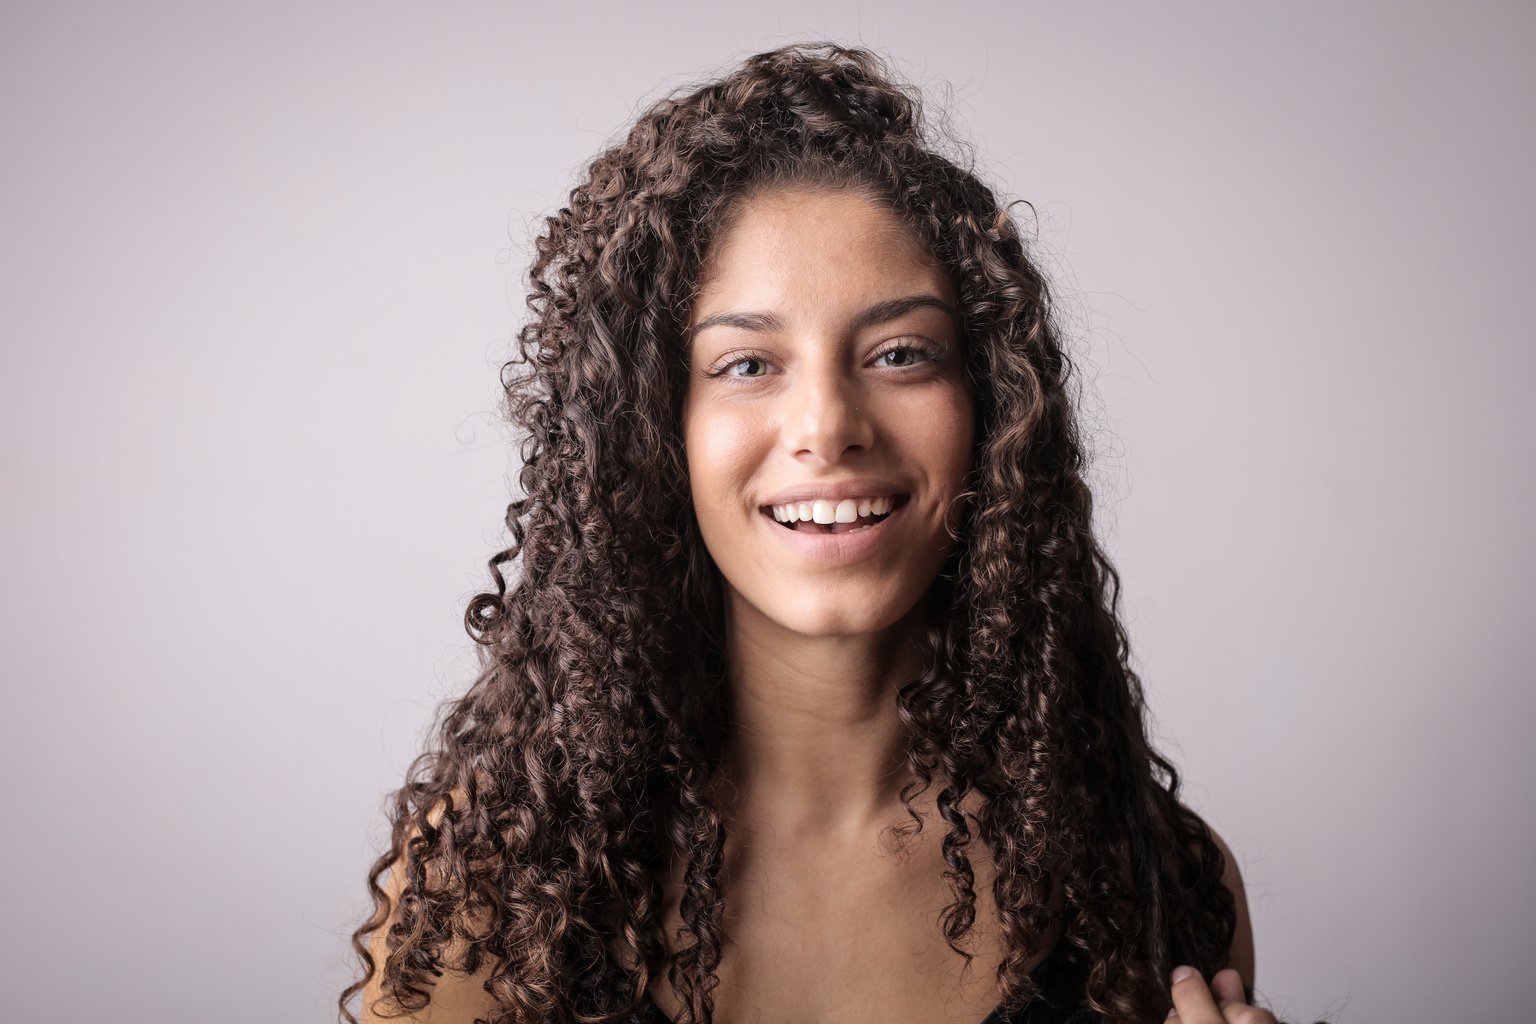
point(833, 619)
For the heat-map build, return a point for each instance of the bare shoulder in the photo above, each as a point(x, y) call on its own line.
point(457, 997)
point(1241, 954)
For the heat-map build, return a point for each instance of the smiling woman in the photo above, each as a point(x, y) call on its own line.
point(850, 404)
point(810, 700)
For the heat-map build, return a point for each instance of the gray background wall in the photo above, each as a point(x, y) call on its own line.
point(260, 262)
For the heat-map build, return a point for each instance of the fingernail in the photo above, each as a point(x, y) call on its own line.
point(1180, 973)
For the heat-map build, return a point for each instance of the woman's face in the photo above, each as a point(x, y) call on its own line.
point(825, 382)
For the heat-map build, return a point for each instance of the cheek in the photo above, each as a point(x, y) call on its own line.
point(960, 430)
point(721, 451)
point(940, 431)
point(967, 445)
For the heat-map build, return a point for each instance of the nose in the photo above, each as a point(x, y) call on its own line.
point(826, 417)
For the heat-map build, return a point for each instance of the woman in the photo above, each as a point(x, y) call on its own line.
point(811, 701)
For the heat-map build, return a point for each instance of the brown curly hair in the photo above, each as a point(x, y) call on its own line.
point(579, 763)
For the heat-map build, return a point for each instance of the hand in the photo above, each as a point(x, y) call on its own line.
point(1222, 1003)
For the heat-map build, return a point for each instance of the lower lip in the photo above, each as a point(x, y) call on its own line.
point(834, 548)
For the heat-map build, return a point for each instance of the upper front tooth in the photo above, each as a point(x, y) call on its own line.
point(844, 510)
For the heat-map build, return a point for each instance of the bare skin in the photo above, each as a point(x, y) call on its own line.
point(844, 930)
point(816, 935)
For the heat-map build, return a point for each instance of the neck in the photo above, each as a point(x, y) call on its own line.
point(818, 751)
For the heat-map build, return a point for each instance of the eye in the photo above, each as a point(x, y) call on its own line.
point(757, 366)
point(913, 352)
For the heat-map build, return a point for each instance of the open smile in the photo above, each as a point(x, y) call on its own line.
point(834, 517)
point(835, 541)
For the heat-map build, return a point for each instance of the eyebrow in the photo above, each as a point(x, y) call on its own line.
point(879, 313)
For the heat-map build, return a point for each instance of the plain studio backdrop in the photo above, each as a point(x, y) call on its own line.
point(261, 262)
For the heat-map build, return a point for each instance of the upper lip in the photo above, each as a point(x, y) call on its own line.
point(836, 491)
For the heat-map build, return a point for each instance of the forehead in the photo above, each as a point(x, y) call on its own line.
point(802, 250)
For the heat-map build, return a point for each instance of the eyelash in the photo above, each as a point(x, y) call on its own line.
point(927, 349)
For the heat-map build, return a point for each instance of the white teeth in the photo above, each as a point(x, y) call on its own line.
point(847, 510)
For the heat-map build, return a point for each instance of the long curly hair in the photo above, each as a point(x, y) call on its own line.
point(578, 767)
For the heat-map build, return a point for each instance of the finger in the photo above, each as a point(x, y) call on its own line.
point(1192, 1001)
point(1227, 986)
point(1227, 989)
